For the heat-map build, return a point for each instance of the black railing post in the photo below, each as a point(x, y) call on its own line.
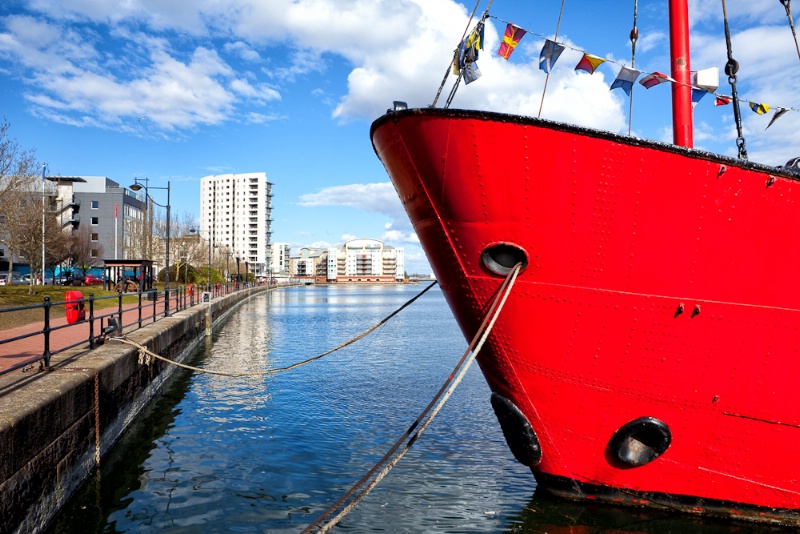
point(119, 325)
point(91, 320)
point(166, 302)
point(140, 307)
point(154, 292)
point(46, 331)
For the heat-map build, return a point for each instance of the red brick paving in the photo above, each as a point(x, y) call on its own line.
point(32, 348)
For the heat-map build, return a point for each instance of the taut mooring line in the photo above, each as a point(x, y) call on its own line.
point(442, 397)
point(145, 354)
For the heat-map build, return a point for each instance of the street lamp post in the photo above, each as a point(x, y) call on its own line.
point(136, 187)
point(227, 267)
point(238, 276)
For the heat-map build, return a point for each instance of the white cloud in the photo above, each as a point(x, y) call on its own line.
point(242, 50)
point(374, 198)
point(104, 63)
point(396, 236)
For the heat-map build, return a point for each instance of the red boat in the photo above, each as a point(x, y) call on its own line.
point(648, 353)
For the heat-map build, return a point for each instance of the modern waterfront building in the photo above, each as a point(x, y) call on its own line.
point(310, 262)
point(111, 214)
point(357, 260)
point(281, 253)
point(236, 214)
point(114, 214)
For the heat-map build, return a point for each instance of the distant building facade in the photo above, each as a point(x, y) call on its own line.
point(114, 215)
point(281, 253)
point(356, 261)
point(236, 212)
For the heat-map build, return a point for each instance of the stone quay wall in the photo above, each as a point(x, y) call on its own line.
point(49, 420)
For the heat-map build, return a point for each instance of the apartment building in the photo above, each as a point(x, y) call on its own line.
point(114, 214)
point(357, 261)
point(236, 212)
point(280, 259)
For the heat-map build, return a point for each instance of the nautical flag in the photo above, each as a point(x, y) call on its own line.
point(468, 49)
point(625, 79)
point(697, 95)
point(654, 78)
point(778, 112)
point(759, 108)
point(44, 168)
point(549, 55)
point(589, 63)
point(471, 72)
point(722, 100)
point(510, 40)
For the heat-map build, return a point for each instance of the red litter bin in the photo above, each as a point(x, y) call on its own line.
point(74, 306)
point(191, 289)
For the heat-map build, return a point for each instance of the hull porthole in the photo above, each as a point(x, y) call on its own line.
point(639, 442)
point(500, 258)
point(519, 434)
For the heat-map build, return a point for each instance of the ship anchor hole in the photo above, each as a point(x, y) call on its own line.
point(500, 258)
point(639, 442)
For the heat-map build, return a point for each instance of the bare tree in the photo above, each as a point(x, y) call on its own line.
point(28, 237)
point(136, 238)
point(84, 252)
point(18, 177)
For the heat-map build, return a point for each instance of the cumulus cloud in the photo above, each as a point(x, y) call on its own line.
point(242, 50)
point(137, 67)
point(375, 198)
point(106, 63)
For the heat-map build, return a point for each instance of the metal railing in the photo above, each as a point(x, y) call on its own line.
point(149, 306)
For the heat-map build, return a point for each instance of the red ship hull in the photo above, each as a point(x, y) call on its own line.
point(658, 292)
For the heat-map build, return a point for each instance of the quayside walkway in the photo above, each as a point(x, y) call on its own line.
point(56, 425)
point(21, 350)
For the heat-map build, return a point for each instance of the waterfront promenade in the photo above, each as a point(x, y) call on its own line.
point(55, 427)
point(76, 336)
point(16, 352)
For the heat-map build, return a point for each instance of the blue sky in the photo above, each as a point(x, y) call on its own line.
point(175, 90)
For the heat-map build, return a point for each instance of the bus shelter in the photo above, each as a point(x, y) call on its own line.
point(128, 275)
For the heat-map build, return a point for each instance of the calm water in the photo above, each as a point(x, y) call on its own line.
point(269, 454)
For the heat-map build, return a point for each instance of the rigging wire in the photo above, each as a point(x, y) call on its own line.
point(731, 67)
point(441, 396)
point(145, 354)
point(787, 5)
point(547, 78)
point(455, 55)
point(634, 38)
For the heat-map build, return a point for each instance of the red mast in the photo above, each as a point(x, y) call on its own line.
point(681, 91)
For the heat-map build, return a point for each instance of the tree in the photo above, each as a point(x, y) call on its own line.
point(19, 174)
point(85, 253)
point(28, 237)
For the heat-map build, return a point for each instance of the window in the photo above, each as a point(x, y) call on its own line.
point(94, 253)
point(95, 204)
point(95, 237)
point(95, 221)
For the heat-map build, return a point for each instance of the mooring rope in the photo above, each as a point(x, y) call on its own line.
point(145, 354)
point(441, 396)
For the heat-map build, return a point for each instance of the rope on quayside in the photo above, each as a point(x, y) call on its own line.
point(145, 354)
point(442, 397)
